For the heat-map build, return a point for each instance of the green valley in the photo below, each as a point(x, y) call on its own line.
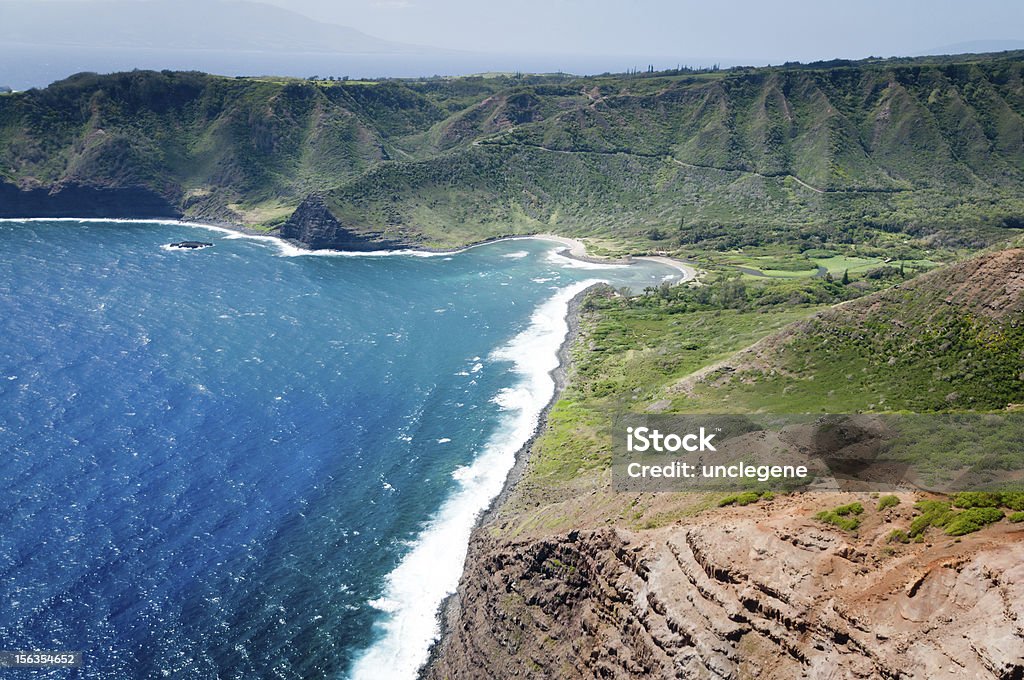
point(911, 159)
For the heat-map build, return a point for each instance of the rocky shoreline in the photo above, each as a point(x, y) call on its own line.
point(311, 226)
point(449, 611)
point(571, 579)
point(745, 592)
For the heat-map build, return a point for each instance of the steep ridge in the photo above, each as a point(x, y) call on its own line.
point(675, 153)
point(761, 593)
point(568, 578)
point(201, 143)
point(314, 225)
point(950, 339)
point(921, 146)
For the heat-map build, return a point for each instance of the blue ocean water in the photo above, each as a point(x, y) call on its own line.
point(249, 461)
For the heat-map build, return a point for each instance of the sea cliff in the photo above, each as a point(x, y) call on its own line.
point(762, 592)
point(567, 578)
point(84, 200)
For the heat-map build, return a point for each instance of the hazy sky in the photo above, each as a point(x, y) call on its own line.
point(792, 29)
point(731, 30)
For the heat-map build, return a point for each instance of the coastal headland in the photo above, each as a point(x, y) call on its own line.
point(567, 577)
point(857, 225)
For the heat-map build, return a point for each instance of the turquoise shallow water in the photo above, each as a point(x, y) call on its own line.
point(246, 461)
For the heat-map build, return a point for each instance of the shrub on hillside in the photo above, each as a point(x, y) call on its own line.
point(972, 520)
point(888, 502)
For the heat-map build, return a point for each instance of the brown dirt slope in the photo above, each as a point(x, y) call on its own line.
point(757, 592)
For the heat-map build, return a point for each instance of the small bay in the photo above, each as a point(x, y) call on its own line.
point(250, 460)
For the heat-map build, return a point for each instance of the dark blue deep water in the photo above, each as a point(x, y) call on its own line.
point(247, 462)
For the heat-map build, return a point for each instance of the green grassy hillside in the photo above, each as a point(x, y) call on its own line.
point(721, 159)
point(949, 340)
point(216, 147)
point(929, 149)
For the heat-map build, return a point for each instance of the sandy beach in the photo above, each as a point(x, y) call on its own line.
point(578, 250)
point(574, 248)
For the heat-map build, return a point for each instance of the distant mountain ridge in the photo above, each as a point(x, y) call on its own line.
point(807, 153)
point(182, 24)
point(977, 47)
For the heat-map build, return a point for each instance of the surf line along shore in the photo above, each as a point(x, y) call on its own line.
point(450, 607)
point(574, 248)
point(413, 601)
point(448, 613)
point(445, 608)
point(577, 250)
point(558, 319)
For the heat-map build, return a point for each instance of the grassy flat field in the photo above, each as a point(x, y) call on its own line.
point(902, 348)
point(625, 360)
point(781, 262)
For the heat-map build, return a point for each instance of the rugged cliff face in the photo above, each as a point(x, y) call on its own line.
point(756, 592)
point(82, 200)
point(569, 579)
point(313, 225)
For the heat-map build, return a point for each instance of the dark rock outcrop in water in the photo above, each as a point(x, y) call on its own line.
point(80, 200)
point(192, 245)
point(315, 226)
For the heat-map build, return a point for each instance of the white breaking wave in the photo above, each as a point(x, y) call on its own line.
point(291, 250)
point(519, 254)
point(287, 249)
point(416, 588)
point(556, 257)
